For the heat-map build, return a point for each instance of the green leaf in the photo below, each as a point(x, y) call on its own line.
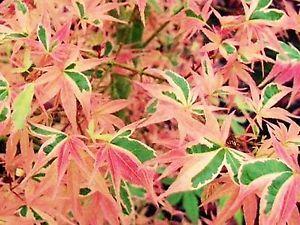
point(268, 15)
point(237, 128)
point(55, 143)
point(233, 163)
point(171, 95)
point(37, 177)
point(41, 130)
point(139, 149)
point(84, 191)
point(23, 210)
point(4, 89)
point(202, 148)
point(126, 133)
point(120, 88)
point(191, 206)
point(3, 114)
point(21, 6)
point(36, 215)
point(22, 106)
point(3, 83)
point(108, 48)
point(137, 191)
point(257, 168)
point(80, 80)
point(3, 94)
point(191, 13)
point(199, 112)
point(17, 35)
point(81, 10)
point(43, 37)
point(262, 4)
point(269, 92)
point(210, 171)
point(228, 48)
point(174, 199)
point(136, 31)
point(71, 66)
point(274, 190)
point(152, 107)
point(126, 200)
point(130, 34)
point(291, 51)
point(179, 83)
point(239, 217)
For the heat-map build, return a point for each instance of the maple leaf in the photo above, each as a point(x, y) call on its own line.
point(286, 68)
point(94, 12)
point(19, 28)
point(263, 104)
point(126, 157)
point(226, 47)
point(58, 145)
point(70, 83)
point(254, 24)
point(192, 20)
point(210, 85)
point(280, 188)
point(103, 116)
point(207, 157)
point(51, 45)
point(178, 97)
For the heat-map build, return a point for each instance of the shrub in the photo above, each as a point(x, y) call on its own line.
point(149, 112)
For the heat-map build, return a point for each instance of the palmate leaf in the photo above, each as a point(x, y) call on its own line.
point(125, 157)
point(126, 166)
point(203, 164)
point(280, 191)
point(178, 91)
point(286, 68)
point(264, 107)
point(60, 147)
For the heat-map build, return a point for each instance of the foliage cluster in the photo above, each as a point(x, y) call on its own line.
point(149, 112)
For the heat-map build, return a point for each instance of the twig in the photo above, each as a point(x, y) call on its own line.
point(134, 70)
point(156, 32)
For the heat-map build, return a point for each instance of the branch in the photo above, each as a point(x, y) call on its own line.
point(134, 70)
